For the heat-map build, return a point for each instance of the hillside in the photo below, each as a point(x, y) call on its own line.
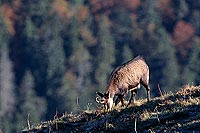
point(178, 112)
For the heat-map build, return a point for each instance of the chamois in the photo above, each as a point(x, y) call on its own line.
point(123, 79)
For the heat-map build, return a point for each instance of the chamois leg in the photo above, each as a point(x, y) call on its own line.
point(148, 90)
point(145, 82)
point(132, 99)
point(119, 99)
point(148, 93)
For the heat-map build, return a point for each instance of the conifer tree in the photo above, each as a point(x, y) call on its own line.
point(191, 71)
point(105, 57)
point(7, 84)
point(79, 61)
point(53, 45)
point(121, 30)
point(32, 106)
point(55, 61)
point(78, 41)
point(194, 20)
point(7, 93)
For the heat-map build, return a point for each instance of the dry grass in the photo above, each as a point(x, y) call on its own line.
point(179, 112)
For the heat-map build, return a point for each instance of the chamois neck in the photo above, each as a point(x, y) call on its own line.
point(111, 91)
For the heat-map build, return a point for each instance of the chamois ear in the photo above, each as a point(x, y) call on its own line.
point(100, 94)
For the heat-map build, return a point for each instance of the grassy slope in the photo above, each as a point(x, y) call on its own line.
point(169, 113)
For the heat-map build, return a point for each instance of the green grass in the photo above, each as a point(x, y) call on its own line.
point(172, 112)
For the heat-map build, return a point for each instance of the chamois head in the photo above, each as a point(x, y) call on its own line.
point(105, 99)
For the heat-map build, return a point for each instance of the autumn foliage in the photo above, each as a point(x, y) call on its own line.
point(182, 36)
point(9, 17)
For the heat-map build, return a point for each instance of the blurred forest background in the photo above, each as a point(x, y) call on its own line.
point(55, 54)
